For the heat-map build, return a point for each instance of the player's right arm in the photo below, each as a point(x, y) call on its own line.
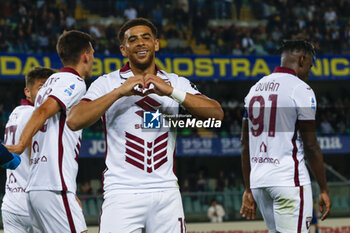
point(248, 203)
point(314, 156)
point(86, 113)
point(36, 121)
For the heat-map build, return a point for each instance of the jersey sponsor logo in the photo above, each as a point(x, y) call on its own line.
point(152, 120)
point(70, 89)
point(12, 181)
point(147, 156)
point(265, 160)
point(263, 147)
point(35, 161)
point(35, 146)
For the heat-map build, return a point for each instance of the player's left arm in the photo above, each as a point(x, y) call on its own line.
point(314, 157)
point(36, 121)
point(305, 102)
point(199, 106)
point(248, 208)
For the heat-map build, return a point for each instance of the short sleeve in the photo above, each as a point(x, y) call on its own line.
point(305, 102)
point(187, 86)
point(246, 102)
point(97, 89)
point(68, 92)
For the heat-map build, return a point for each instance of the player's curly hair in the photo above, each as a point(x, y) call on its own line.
point(298, 45)
point(136, 22)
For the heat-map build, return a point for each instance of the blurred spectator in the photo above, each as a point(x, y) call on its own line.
point(326, 127)
point(216, 211)
point(202, 182)
point(130, 12)
point(85, 188)
point(205, 22)
point(221, 182)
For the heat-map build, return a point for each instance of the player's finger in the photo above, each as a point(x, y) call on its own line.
point(328, 209)
point(326, 213)
point(321, 206)
point(242, 208)
point(249, 214)
point(148, 82)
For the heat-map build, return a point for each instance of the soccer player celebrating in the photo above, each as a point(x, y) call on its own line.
point(15, 214)
point(278, 130)
point(52, 182)
point(140, 187)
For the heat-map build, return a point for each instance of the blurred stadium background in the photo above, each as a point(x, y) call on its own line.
point(223, 46)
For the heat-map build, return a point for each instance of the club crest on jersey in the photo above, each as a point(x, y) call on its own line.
point(152, 120)
point(313, 103)
point(70, 89)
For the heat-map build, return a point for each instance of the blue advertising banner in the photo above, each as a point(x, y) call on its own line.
point(95, 148)
point(15, 66)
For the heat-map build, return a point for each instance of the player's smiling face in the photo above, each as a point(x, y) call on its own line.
point(139, 46)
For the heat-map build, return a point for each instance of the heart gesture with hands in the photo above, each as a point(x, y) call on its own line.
point(145, 85)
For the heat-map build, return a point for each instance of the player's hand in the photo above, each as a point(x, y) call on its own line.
point(160, 87)
point(17, 149)
point(130, 86)
point(325, 204)
point(248, 208)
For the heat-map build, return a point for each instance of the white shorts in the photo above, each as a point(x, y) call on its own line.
point(285, 209)
point(157, 212)
point(56, 211)
point(14, 223)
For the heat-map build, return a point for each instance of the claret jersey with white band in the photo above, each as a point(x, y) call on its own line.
point(137, 159)
point(55, 148)
point(273, 106)
point(15, 199)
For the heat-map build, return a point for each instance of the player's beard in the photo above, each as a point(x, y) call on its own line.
point(142, 64)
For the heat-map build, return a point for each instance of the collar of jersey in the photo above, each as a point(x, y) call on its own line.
point(126, 72)
point(279, 69)
point(26, 102)
point(69, 70)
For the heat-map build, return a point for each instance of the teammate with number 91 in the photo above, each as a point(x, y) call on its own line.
point(278, 132)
